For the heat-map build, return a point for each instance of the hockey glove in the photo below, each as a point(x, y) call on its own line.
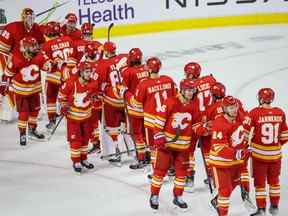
point(64, 109)
point(4, 85)
point(159, 140)
point(242, 154)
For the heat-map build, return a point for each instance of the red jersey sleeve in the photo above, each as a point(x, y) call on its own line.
point(284, 131)
point(7, 39)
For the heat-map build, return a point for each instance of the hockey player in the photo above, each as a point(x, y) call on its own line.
point(87, 37)
point(14, 32)
point(177, 113)
point(69, 28)
point(132, 75)
point(228, 152)
point(218, 91)
point(75, 98)
point(204, 99)
point(270, 133)
point(62, 54)
point(113, 106)
point(92, 55)
point(149, 97)
point(23, 76)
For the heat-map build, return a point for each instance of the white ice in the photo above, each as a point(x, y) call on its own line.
point(38, 179)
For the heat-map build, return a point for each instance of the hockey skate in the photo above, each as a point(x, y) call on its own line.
point(154, 202)
point(259, 212)
point(138, 165)
point(248, 204)
point(171, 173)
point(189, 183)
point(77, 167)
point(23, 140)
point(95, 149)
point(274, 210)
point(87, 165)
point(115, 160)
point(51, 124)
point(213, 201)
point(35, 135)
point(178, 201)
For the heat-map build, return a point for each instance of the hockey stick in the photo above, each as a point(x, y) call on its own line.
point(52, 8)
point(56, 126)
point(132, 150)
point(205, 165)
point(109, 31)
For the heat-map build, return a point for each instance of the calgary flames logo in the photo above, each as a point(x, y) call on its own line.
point(79, 100)
point(181, 120)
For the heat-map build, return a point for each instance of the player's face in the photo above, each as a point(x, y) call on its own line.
point(87, 37)
point(71, 25)
point(86, 75)
point(189, 76)
point(188, 93)
point(29, 20)
point(232, 110)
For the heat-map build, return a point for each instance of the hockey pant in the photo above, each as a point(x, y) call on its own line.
point(113, 118)
point(139, 136)
point(28, 108)
point(164, 160)
point(271, 172)
point(78, 134)
point(94, 121)
point(149, 134)
point(226, 179)
point(52, 94)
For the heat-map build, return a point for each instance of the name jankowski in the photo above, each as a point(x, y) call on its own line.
point(117, 12)
point(270, 119)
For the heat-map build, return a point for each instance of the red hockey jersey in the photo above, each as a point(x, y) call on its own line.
point(270, 132)
point(150, 96)
point(222, 153)
point(60, 50)
point(111, 70)
point(25, 74)
point(74, 35)
point(14, 32)
point(179, 116)
point(78, 97)
point(131, 78)
point(204, 96)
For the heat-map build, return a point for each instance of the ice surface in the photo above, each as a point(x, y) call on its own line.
point(38, 179)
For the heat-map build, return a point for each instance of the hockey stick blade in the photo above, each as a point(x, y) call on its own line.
point(56, 126)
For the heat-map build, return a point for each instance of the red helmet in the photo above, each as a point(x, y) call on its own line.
point(193, 68)
point(29, 44)
point(154, 64)
point(71, 18)
point(229, 101)
point(83, 66)
point(87, 28)
point(52, 28)
point(218, 90)
point(28, 17)
point(188, 84)
point(91, 49)
point(266, 95)
point(109, 47)
point(135, 55)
